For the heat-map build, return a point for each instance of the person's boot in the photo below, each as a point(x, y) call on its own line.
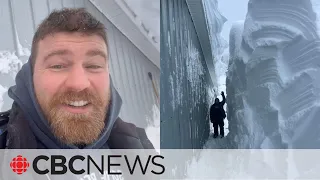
point(215, 135)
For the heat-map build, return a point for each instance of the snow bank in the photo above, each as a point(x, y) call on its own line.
point(273, 81)
point(153, 129)
point(9, 63)
point(3, 90)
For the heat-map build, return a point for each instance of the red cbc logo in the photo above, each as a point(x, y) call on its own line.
point(19, 164)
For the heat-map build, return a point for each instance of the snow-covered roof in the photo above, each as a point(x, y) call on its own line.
point(140, 24)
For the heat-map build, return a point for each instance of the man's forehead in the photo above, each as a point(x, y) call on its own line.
point(75, 37)
point(67, 43)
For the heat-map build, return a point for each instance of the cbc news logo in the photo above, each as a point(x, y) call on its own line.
point(19, 164)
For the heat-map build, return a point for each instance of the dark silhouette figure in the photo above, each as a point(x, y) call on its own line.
point(217, 115)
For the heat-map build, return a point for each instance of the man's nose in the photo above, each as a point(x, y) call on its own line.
point(77, 79)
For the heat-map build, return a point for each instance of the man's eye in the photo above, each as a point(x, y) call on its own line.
point(56, 67)
point(94, 67)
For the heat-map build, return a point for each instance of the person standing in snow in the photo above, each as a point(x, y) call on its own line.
point(217, 115)
point(64, 97)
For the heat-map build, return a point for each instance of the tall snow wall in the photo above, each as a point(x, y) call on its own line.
point(273, 79)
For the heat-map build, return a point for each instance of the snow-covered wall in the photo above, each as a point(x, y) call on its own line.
point(129, 66)
point(273, 83)
point(186, 86)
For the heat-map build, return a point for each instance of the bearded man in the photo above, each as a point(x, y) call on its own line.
point(64, 97)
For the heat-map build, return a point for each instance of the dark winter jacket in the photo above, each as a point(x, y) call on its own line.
point(217, 113)
point(15, 133)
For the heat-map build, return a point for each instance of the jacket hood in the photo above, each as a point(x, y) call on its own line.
point(24, 95)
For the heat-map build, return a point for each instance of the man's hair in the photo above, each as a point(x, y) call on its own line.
point(67, 20)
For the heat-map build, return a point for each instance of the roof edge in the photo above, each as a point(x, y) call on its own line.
point(122, 17)
point(196, 10)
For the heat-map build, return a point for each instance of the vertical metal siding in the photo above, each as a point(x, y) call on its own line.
point(57, 4)
point(184, 108)
point(7, 33)
point(40, 10)
point(23, 24)
point(129, 67)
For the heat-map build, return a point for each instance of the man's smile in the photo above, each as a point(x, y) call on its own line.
point(77, 106)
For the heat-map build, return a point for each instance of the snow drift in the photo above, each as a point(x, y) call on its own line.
point(153, 128)
point(10, 64)
point(273, 82)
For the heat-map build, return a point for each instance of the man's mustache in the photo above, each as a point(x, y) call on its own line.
point(67, 96)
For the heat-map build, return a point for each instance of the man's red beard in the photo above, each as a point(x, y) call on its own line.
point(73, 128)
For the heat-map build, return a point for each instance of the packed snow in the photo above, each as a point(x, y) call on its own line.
point(10, 64)
point(273, 89)
point(271, 69)
point(272, 79)
point(153, 129)
point(3, 90)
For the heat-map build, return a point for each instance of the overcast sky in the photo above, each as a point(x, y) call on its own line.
point(233, 10)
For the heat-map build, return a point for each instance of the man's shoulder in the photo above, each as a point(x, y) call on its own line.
point(129, 135)
point(4, 116)
point(4, 119)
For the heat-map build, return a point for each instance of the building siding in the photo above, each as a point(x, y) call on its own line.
point(128, 65)
point(185, 80)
